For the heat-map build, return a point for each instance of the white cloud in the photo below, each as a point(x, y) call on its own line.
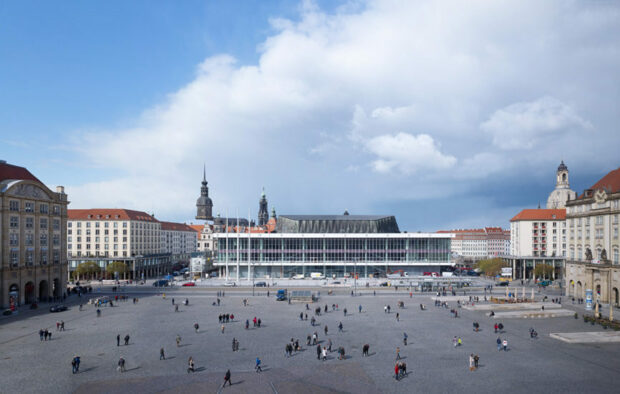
point(522, 125)
point(408, 153)
point(428, 73)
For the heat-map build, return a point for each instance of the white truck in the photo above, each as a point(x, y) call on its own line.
point(317, 275)
point(298, 276)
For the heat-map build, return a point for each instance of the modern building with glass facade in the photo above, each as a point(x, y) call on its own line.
point(284, 255)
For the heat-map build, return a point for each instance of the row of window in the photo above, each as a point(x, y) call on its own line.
point(614, 204)
point(29, 257)
point(136, 225)
point(29, 239)
point(97, 246)
point(29, 206)
point(29, 223)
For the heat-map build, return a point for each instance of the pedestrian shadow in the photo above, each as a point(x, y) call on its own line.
point(170, 358)
point(185, 344)
point(89, 369)
point(200, 369)
point(402, 358)
point(371, 354)
point(132, 369)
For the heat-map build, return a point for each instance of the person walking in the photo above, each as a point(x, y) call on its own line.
point(471, 362)
point(162, 356)
point(365, 350)
point(190, 365)
point(324, 353)
point(340, 327)
point(196, 327)
point(405, 337)
point(318, 352)
point(329, 345)
point(476, 359)
point(178, 339)
point(396, 372)
point(454, 341)
point(126, 339)
point(460, 341)
point(397, 353)
point(499, 344)
point(118, 340)
point(74, 364)
point(397, 316)
point(121, 365)
point(505, 344)
point(359, 308)
point(325, 329)
point(257, 367)
point(227, 379)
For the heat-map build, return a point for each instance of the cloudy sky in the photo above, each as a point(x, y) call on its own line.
point(445, 114)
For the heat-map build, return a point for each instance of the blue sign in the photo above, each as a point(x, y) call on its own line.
point(589, 299)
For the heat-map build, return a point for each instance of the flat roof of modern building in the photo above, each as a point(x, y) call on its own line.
point(336, 235)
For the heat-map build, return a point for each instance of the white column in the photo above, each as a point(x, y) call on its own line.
point(249, 232)
point(238, 256)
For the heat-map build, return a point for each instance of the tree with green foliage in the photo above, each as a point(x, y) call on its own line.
point(88, 268)
point(491, 267)
point(116, 266)
point(543, 271)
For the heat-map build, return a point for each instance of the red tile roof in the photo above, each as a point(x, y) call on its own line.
point(540, 214)
point(610, 182)
point(197, 227)
point(109, 214)
point(171, 226)
point(9, 171)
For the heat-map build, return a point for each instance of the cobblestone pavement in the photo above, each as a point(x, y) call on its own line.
point(28, 365)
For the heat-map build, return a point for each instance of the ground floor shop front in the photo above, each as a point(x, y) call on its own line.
point(29, 285)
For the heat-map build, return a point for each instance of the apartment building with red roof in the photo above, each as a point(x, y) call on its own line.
point(480, 243)
point(147, 246)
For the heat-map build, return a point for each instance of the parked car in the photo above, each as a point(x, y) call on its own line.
point(502, 284)
point(260, 284)
point(230, 284)
point(160, 283)
point(58, 308)
point(188, 284)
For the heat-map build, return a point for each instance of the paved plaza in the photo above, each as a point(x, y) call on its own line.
point(434, 365)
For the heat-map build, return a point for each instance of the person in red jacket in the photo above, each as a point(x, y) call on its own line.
point(396, 371)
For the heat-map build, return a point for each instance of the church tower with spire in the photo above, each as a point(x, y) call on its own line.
point(562, 192)
point(263, 210)
point(204, 205)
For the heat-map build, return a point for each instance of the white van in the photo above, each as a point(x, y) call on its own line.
point(298, 276)
point(317, 275)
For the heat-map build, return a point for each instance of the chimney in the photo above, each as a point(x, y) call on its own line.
point(60, 189)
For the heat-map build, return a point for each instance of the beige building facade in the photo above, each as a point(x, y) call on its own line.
point(33, 220)
point(593, 221)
